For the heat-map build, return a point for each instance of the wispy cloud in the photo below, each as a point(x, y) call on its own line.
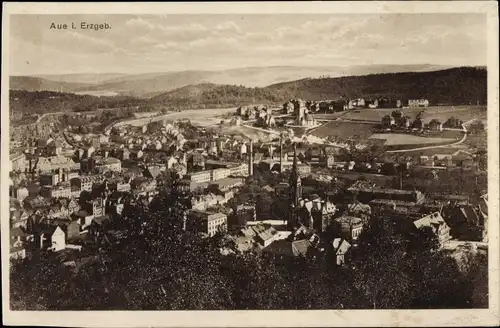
point(206, 42)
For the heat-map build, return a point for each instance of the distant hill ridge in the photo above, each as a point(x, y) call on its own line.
point(31, 83)
point(87, 78)
point(462, 85)
point(456, 86)
point(151, 84)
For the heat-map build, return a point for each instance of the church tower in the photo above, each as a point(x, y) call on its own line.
point(295, 192)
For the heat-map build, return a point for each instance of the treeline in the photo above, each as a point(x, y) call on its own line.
point(49, 101)
point(457, 86)
point(160, 267)
point(212, 95)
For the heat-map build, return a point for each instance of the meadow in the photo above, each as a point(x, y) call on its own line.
point(201, 117)
point(441, 113)
point(344, 130)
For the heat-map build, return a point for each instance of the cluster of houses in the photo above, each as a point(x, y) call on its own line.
point(336, 228)
point(265, 116)
point(320, 224)
point(302, 112)
point(67, 199)
point(398, 121)
point(343, 104)
point(64, 200)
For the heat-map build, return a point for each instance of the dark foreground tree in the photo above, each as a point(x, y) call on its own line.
point(159, 266)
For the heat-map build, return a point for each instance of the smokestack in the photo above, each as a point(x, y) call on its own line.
point(184, 221)
point(401, 178)
point(250, 159)
point(281, 155)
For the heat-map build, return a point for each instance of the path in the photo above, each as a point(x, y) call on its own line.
point(429, 147)
point(464, 129)
point(39, 119)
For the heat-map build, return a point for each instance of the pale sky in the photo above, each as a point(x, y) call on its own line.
point(148, 43)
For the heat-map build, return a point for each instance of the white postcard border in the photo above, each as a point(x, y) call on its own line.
point(345, 318)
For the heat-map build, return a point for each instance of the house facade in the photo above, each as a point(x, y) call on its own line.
point(437, 224)
point(52, 239)
point(340, 248)
point(418, 103)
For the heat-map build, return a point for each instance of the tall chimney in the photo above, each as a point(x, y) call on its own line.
point(401, 178)
point(184, 221)
point(281, 155)
point(250, 159)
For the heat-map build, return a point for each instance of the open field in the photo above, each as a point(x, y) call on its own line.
point(329, 116)
point(201, 117)
point(344, 130)
point(393, 139)
point(441, 113)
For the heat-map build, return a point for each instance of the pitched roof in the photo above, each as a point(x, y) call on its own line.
point(483, 204)
point(300, 247)
point(15, 232)
point(264, 233)
point(63, 222)
point(50, 229)
point(101, 220)
point(349, 219)
point(432, 220)
point(359, 208)
point(340, 246)
point(280, 247)
point(268, 188)
point(470, 214)
point(154, 171)
point(81, 213)
point(248, 232)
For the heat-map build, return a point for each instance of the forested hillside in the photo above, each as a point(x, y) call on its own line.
point(31, 83)
point(457, 86)
point(213, 95)
point(48, 101)
point(452, 86)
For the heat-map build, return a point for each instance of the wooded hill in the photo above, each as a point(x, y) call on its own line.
point(49, 101)
point(147, 85)
point(208, 95)
point(32, 83)
point(457, 86)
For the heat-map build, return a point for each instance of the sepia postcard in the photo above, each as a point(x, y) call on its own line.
point(250, 164)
